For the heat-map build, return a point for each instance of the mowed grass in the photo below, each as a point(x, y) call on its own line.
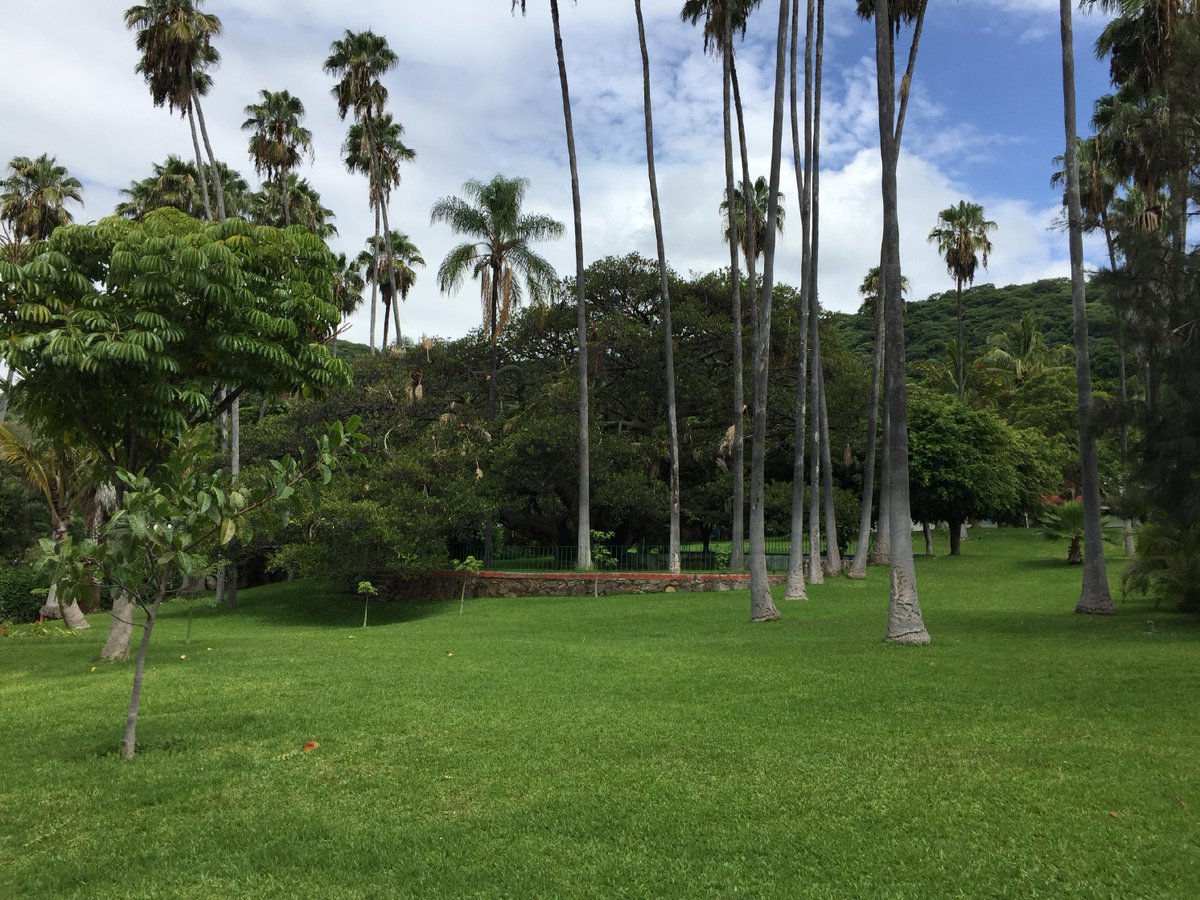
point(641, 746)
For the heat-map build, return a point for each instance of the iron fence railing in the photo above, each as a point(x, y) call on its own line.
point(642, 557)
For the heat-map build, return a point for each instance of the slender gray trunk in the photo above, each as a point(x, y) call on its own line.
point(216, 172)
point(905, 624)
point(881, 552)
point(129, 740)
point(816, 573)
point(200, 165)
point(286, 196)
point(673, 554)
point(858, 566)
point(737, 543)
point(795, 580)
point(235, 469)
point(375, 276)
point(960, 345)
point(584, 530)
point(391, 256)
point(762, 607)
point(833, 555)
point(120, 629)
point(1094, 596)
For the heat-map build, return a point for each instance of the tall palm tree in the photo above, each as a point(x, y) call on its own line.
point(1094, 597)
point(394, 268)
point(376, 148)
point(961, 236)
point(174, 39)
point(176, 183)
point(751, 206)
point(359, 60)
point(673, 552)
point(278, 142)
point(584, 522)
point(33, 197)
point(762, 607)
point(501, 254)
point(905, 623)
point(723, 21)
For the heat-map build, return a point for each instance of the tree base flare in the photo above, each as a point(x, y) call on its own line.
point(769, 615)
point(1089, 607)
point(910, 638)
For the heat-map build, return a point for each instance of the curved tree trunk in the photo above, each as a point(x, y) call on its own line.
point(906, 624)
point(762, 607)
point(673, 554)
point(216, 172)
point(803, 163)
point(391, 255)
point(375, 277)
point(737, 543)
point(116, 648)
point(1094, 595)
point(584, 529)
point(200, 166)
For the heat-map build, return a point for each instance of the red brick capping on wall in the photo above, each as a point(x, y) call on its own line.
point(448, 584)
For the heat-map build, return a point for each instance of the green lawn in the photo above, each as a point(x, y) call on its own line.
point(633, 746)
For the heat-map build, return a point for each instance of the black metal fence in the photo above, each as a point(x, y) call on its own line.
point(643, 557)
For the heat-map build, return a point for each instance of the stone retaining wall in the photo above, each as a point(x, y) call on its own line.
point(448, 584)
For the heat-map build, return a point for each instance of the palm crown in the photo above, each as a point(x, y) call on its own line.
point(34, 194)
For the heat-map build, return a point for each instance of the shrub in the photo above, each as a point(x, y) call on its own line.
point(18, 603)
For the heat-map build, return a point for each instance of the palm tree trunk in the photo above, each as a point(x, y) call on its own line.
point(200, 166)
point(833, 556)
point(584, 530)
point(816, 574)
point(962, 384)
point(762, 607)
point(737, 543)
point(858, 566)
point(751, 274)
point(287, 197)
point(673, 554)
point(216, 172)
point(795, 589)
point(905, 624)
point(387, 312)
point(881, 552)
point(375, 276)
point(394, 294)
point(235, 469)
point(1094, 596)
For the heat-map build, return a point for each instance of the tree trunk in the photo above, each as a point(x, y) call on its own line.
point(120, 629)
point(751, 273)
point(960, 345)
point(673, 554)
point(737, 543)
point(956, 530)
point(833, 554)
point(584, 530)
point(803, 164)
point(394, 294)
point(927, 532)
point(1074, 552)
point(129, 741)
point(762, 607)
point(200, 166)
point(816, 570)
point(216, 172)
point(287, 198)
point(235, 469)
point(374, 277)
point(858, 566)
point(881, 552)
point(905, 625)
point(1094, 595)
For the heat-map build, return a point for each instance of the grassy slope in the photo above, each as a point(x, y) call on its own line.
point(631, 746)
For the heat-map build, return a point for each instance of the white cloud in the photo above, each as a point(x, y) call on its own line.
point(477, 90)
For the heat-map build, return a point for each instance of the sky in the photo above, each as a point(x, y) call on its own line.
point(477, 91)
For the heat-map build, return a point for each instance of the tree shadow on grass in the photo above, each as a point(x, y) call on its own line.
point(1134, 622)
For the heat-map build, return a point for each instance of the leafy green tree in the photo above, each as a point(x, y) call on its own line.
point(170, 523)
point(278, 140)
point(128, 332)
point(961, 236)
point(968, 464)
point(501, 255)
